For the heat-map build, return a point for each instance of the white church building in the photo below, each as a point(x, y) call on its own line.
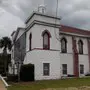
point(54, 49)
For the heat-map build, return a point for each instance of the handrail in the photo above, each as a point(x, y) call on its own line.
point(6, 84)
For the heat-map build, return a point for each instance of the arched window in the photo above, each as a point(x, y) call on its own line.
point(80, 46)
point(63, 45)
point(46, 39)
point(30, 42)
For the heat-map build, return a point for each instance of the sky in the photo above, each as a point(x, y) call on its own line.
point(13, 13)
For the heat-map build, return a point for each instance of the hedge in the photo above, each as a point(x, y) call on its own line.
point(27, 72)
point(13, 78)
point(4, 59)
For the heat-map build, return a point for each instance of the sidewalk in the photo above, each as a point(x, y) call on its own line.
point(2, 87)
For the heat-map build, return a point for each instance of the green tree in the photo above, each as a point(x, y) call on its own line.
point(5, 44)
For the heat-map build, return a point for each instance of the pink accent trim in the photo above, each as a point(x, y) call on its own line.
point(49, 35)
point(46, 31)
point(70, 29)
point(43, 49)
point(75, 58)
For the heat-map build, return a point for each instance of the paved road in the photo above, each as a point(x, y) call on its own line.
point(2, 87)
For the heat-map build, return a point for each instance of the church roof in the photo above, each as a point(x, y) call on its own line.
point(69, 29)
point(17, 31)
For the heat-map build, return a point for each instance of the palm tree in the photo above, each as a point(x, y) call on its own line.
point(5, 44)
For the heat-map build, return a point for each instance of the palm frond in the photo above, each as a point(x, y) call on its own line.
point(6, 43)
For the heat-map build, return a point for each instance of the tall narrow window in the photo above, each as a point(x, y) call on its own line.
point(46, 39)
point(63, 45)
point(80, 47)
point(64, 69)
point(30, 42)
point(81, 69)
point(46, 67)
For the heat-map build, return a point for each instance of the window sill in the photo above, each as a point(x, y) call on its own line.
point(46, 75)
point(64, 52)
point(81, 54)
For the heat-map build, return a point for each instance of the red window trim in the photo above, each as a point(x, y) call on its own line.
point(49, 35)
point(80, 42)
point(65, 45)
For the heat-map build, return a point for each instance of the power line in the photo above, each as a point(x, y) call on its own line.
point(56, 34)
point(56, 20)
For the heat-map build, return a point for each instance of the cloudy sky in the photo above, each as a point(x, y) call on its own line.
point(13, 13)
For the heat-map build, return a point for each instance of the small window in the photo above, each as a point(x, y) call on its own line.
point(64, 69)
point(30, 42)
point(81, 69)
point(63, 45)
point(46, 40)
point(46, 67)
point(80, 46)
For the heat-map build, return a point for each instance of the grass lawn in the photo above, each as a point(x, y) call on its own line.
point(37, 85)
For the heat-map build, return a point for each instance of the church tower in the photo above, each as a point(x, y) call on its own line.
point(42, 44)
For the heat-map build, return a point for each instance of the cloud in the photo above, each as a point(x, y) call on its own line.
point(7, 25)
point(73, 12)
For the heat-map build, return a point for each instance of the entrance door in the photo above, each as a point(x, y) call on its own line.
point(81, 69)
point(64, 69)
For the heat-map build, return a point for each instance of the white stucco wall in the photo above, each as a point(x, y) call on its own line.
point(38, 57)
point(37, 39)
point(83, 59)
point(43, 19)
point(67, 59)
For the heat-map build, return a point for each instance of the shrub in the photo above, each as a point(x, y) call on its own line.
point(27, 72)
point(11, 77)
point(69, 75)
point(87, 74)
point(4, 61)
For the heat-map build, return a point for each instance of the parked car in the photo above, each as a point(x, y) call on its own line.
point(87, 74)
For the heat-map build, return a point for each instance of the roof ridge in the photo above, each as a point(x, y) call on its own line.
point(74, 28)
point(70, 29)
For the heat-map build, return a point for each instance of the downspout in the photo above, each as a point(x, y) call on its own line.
point(75, 58)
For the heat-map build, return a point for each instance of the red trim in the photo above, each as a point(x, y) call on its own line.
point(49, 35)
point(70, 29)
point(43, 49)
point(80, 49)
point(46, 31)
point(75, 58)
point(65, 40)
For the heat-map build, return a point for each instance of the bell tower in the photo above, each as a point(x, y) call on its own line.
point(42, 9)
